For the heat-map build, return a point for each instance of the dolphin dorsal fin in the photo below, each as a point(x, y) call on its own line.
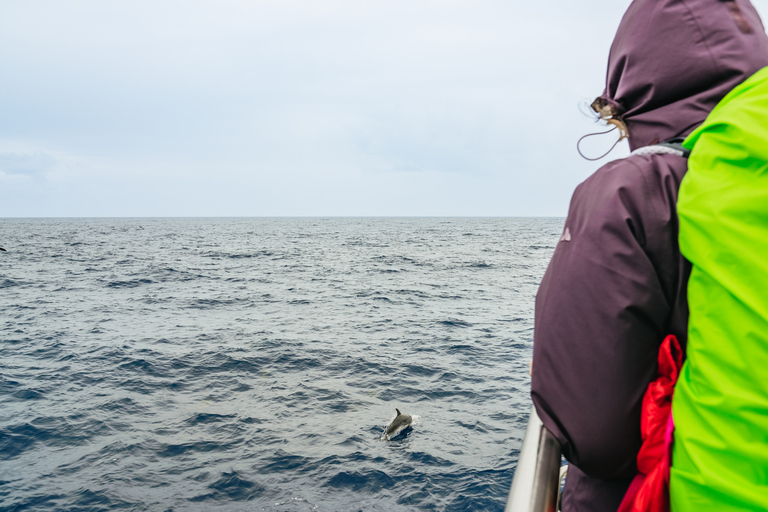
point(398, 411)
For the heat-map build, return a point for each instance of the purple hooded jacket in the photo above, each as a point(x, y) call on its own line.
point(616, 285)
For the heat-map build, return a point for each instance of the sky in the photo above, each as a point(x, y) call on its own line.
point(299, 108)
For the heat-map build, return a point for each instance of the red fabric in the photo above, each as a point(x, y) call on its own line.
point(649, 491)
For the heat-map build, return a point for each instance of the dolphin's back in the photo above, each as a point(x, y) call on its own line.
point(400, 422)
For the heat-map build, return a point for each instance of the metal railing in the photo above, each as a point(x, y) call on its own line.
point(536, 484)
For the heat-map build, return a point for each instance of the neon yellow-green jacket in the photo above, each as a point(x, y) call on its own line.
point(720, 406)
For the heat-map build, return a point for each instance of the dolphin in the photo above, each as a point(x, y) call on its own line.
point(399, 424)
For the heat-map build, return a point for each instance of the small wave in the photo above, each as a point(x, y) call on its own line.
point(170, 275)
point(138, 386)
point(174, 450)
point(394, 259)
point(420, 370)
point(203, 418)
point(85, 379)
point(284, 461)
point(371, 480)
point(124, 406)
point(478, 489)
point(14, 440)
point(335, 401)
point(476, 426)
point(215, 303)
point(145, 367)
point(453, 322)
point(7, 386)
point(417, 293)
point(90, 499)
point(461, 349)
point(241, 255)
point(206, 364)
point(54, 431)
point(296, 362)
point(39, 501)
point(28, 394)
point(429, 460)
point(133, 283)
point(231, 487)
point(442, 394)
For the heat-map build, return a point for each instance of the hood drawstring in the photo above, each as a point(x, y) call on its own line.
point(610, 111)
point(617, 124)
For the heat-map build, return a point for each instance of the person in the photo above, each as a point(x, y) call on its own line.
point(616, 284)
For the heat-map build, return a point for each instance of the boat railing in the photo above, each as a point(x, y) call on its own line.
point(536, 484)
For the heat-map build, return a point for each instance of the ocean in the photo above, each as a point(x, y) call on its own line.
point(194, 364)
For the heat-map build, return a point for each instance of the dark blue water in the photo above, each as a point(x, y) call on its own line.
point(252, 364)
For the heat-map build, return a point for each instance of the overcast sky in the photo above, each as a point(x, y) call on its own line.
point(288, 107)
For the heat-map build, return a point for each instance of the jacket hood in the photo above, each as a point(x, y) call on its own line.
point(672, 61)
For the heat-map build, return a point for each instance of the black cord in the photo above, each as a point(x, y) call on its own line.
point(578, 144)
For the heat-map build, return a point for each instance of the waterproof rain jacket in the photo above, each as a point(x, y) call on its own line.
point(720, 457)
point(616, 284)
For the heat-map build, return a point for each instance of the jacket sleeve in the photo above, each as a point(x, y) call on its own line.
point(602, 311)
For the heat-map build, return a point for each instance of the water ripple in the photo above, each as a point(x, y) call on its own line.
point(254, 363)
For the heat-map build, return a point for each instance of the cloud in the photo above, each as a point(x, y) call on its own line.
point(175, 107)
point(31, 164)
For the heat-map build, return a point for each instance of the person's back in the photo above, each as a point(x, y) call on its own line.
point(616, 284)
point(720, 406)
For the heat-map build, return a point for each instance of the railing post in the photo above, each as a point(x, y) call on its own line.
point(536, 481)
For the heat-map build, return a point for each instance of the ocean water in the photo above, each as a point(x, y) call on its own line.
point(253, 364)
